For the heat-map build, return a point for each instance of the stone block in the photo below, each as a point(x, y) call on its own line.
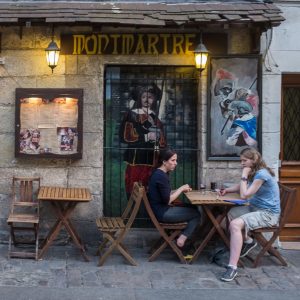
point(6, 176)
point(239, 41)
point(8, 87)
point(90, 177)
point(91, 141)
point(271, 117)
point(89, 64)
point(90, 210)
point(7, 119)
point(71, 64)
point(7, 141)
point(272, 88)
point(26, 63)
point(92, 90)
point(52, 81)
point(92, 117)
point(271, 148)
point(11, 38)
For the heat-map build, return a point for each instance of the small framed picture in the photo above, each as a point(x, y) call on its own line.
point(49, 123)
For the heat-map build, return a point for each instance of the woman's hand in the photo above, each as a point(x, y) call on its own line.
point(222, 192)
point(246, 171)
point(185, 188)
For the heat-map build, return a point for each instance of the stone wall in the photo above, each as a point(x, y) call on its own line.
point(25, 67)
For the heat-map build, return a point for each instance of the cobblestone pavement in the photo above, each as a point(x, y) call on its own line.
point(63, 267)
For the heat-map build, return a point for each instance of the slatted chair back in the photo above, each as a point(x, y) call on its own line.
point(133, 205)
point(168, 232)
point(287, 202)
point(24, 193)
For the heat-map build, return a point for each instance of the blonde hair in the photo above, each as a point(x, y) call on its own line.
point(258, 162)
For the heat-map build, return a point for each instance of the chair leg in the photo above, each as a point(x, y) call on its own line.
point(267, 247)
point(169, 240)
point(124, 251)
point(36, 233)
point(9, 243)
point(115, 243)
point(156, 245)
point(102, 245)
point(12, 230)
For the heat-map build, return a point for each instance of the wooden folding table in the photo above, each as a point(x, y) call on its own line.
point(63, 201)
point(208, 200)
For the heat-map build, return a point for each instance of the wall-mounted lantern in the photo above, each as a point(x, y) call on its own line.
point(201, 55)
point(52, 54)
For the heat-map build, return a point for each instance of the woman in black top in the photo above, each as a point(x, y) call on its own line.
point(162, 199)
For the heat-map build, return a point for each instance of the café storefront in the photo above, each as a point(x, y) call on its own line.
point(109, 54)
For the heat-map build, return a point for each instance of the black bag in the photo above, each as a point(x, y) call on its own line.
point(221, 256)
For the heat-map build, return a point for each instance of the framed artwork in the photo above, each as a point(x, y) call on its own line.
point(49, 123)
point(234, 109)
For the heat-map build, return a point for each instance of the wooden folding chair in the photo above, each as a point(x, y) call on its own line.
point(114, 229)
point(24, 216)
point(168, 232)
point(287, 202)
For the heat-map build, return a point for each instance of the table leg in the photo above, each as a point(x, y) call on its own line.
point(50, 237)
point(63, 211)
point(216, 222)
point(215, 227)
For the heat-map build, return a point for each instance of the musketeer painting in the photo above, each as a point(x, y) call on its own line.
point(147, 109)
point(233, 108)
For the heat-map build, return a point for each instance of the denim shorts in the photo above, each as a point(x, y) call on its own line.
point(254, 217)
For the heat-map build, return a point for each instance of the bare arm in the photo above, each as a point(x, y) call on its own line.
point(246, 191)
point(175, 194)
point(232, 189)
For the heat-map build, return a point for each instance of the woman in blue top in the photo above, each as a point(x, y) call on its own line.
point(162, 199)
point(259, 186)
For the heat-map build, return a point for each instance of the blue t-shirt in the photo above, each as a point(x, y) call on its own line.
point(159, 191)
point(267, 197)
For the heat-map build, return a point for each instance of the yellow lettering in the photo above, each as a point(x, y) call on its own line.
point(177, 44)
point(78, 42)
point(115, 43)
point(188, 42)
point(93, 50)
point(106, 41)
point(165, 42)
point(152, 41)
point(127, 43)
point(140, 48)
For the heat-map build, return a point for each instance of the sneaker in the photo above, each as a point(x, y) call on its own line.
point(229, 274)
point(247, 248)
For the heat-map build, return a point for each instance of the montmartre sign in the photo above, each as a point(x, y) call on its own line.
point(138, 44)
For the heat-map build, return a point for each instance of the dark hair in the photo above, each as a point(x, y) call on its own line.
point(258, 164)
point(164, 155)
point(153, 89)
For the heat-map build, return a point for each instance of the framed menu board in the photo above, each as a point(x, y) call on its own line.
point(48, 123)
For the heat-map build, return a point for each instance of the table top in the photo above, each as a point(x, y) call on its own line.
point(52, 193)
point(198, 197)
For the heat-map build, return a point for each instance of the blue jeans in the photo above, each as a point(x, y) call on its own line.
point(187, 214)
